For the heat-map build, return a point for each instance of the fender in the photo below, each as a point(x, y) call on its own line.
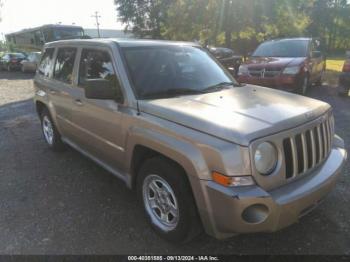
point(180, 151)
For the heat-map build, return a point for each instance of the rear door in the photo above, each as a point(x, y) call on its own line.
point(98, 122)
point(61, 87)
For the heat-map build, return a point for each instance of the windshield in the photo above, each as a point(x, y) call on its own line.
point(284, 48)
point(166, 71)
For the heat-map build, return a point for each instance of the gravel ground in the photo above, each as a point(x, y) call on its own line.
point(62, 203)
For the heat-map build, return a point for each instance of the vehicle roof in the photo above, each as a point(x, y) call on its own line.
point(121, 42)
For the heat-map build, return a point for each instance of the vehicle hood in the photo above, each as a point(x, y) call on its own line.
point(239, 115)
point(274, 61)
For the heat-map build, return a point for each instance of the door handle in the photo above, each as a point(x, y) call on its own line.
point(78, 102)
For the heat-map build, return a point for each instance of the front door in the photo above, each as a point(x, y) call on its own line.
point(98, 122)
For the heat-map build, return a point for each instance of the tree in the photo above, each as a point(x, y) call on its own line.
point(144, 17)
point(238, 24)
point(329, 21)
point(191, 20)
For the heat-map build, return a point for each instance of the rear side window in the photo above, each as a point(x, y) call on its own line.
point(64, 65)
point(46, 62)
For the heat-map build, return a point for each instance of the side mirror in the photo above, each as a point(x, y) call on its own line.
point(316, 54)
point(99, 89)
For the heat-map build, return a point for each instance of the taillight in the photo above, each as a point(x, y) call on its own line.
point(346, 67)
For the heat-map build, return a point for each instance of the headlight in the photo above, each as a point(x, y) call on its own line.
point(265, 158)
point(243, 70)
point(293, 70)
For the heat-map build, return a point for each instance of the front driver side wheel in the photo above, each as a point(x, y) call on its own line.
point(166, 196)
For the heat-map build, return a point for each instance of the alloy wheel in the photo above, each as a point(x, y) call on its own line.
point(160, 202)
point(48, 130)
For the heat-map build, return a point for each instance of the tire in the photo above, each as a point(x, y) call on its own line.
point(304, 86)
point(50, 132)
point(174, 200)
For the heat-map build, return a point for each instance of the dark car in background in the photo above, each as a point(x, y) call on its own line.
point(227, 57)
point(288, 64)
point(344, 78)
point(11, 61)
point(30, 64)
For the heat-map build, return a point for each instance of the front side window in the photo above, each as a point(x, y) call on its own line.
point(46, 62)
point(166, 71)
point(96, 65)
point(64, 65)
point(283, 48)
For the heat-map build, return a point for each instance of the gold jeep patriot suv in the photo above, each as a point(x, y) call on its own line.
point(201, 151)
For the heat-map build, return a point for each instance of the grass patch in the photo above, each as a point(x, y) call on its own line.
point(333, 68)
point(335, 64)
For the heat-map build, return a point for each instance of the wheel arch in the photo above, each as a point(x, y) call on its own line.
point(40, 106)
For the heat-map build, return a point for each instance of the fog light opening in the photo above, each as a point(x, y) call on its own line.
point(255, 214)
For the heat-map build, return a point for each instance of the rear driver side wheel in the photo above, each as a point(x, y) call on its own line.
point(50, 132)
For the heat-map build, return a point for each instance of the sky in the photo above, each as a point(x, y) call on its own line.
point(20, 14)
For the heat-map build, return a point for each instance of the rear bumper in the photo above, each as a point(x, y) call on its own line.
point(286, 83)
point(231, 211)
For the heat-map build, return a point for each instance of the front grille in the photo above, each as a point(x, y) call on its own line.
point(308, 149)
point(265, 72)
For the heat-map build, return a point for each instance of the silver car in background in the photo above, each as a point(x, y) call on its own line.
point(30, 64)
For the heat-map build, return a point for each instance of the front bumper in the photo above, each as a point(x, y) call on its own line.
point(286, 83)
point(230, 211)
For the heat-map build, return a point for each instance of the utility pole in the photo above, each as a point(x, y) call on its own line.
point(96, 16)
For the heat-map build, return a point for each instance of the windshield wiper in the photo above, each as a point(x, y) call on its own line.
point(220, 86)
